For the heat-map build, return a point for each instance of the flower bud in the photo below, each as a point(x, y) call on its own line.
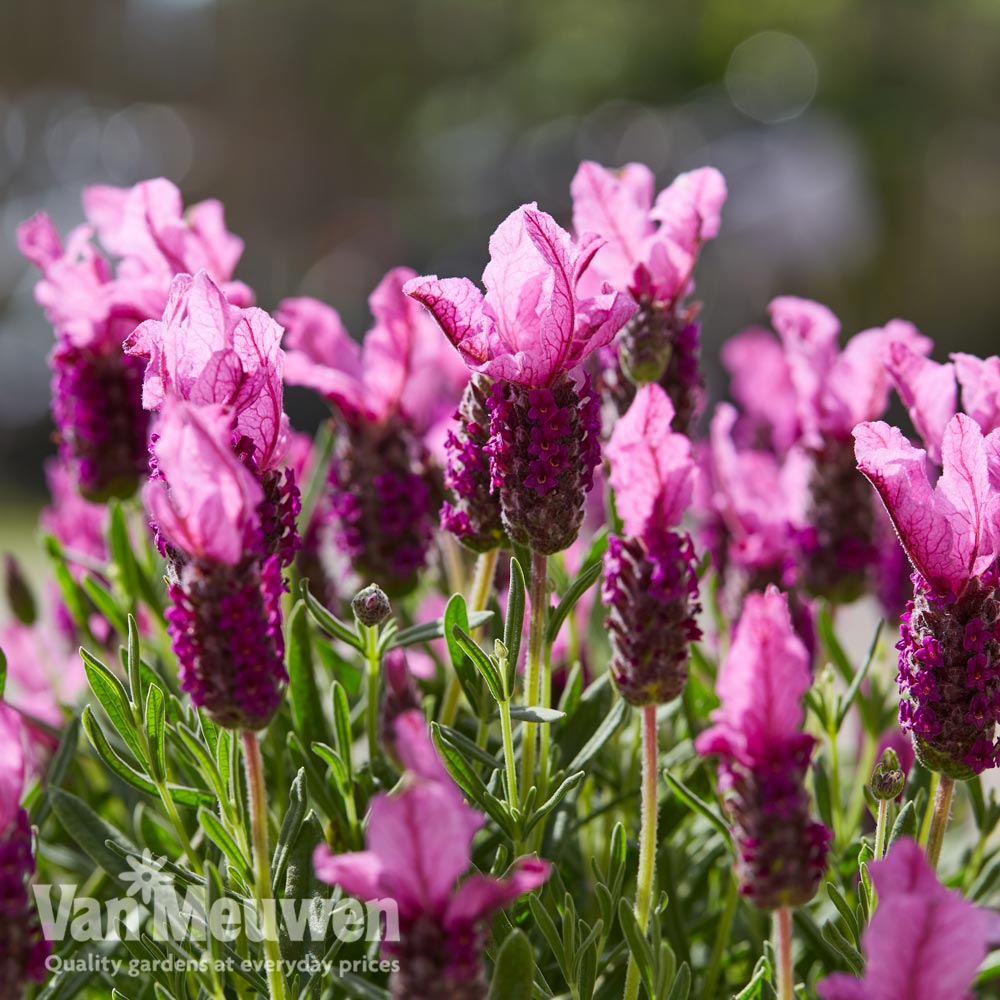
point(887, 779)
point(19, 596)
point(370, 606)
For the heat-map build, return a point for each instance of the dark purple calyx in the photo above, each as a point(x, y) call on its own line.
point(472, 512)
point(225, 623)
point(100, 423)
point(781, 850)
point(544, 447)
point(652, 599)
point(23, 949)
point(438, 964)
point(839, 550)
point(949, 677)
point(383, 498)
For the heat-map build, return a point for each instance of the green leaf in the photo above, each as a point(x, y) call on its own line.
point(482, 662)
point(106, 604)
point(429, 631)
point(681, 988)
point(224, 840)
point(133, 663)
point(565, 787)
point(838, 900)
point(307, 708)
point(58, 769)
point(535, 713)
point(3, 673)
point(455, 614)
point(329, 622)
point(587, 578)
point(470, 782)
point(513, 627)
point(110, 692)
point(514, 972)
point(638, 945)
point(110, 756)
point(602, 734)
point(342, 726)
point(905, 825)
point(156, 732)
point(701, 807)
point(92, 834)
point(859, 678)
point(72, 596)
point(832, 646)
point(295, 816)
point(844, 948)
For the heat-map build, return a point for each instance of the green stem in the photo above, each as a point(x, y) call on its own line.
point(479, 597)
point(536, 651)
point(647, 841)
point(856, 808)
point(721, 942)
point(262, 865)
point(880, 828)
point(786, 974)
point(508, 752)
point(925, 825)
point(373, 659)
point(175, 820)
point(939, 822)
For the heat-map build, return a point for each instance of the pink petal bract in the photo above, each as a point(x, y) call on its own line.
point(927, 390)
point(207, 496)
point(652, 471)
point(760, 685)
point(11, 765)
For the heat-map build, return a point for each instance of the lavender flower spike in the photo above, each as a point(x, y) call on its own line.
point(764, 755)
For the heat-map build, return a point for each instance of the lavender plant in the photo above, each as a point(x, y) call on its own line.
point(353, 717)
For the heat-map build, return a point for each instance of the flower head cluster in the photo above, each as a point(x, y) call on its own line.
point(949, 665)
point(764, 756)
point(393, 395)
point(22, 947)
point(924, 942)
point(651, 251)
point(94, 306)
point(419, 849)
point(226, 586)
point(528, 332)
point(650, 584)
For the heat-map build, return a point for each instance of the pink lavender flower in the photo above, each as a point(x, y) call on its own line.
point(93, 306)
point(226, 586)
point(764, 756)
point(394, 395)
point(650, 583)
point(651, 251)
point(924, 942)
point(949, 649)
point(419, 847)
point(529, 331)
point(22, 947)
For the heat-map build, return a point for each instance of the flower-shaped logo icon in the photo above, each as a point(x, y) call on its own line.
point(146, 878)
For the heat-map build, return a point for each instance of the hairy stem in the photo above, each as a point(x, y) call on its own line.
point(647, 841)
point(786, 975)
point(939, 821)
point(536, 655)
point(880, 828)
point(262, 865)
point(373, 658)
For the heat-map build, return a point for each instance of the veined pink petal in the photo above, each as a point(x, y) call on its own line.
point(927, 390)
point(479, 896)
point(533, 324)
point(690, 209)
point(11, 765)
point(980, 382)
point(422, 837)
point(949, 532)
point(358, 873)
point(615, 204)
point(760, 685)
point(652, 471)
point(207, 495)
point(924, 942)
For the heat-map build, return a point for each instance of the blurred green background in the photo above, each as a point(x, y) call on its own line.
point(861, 142)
